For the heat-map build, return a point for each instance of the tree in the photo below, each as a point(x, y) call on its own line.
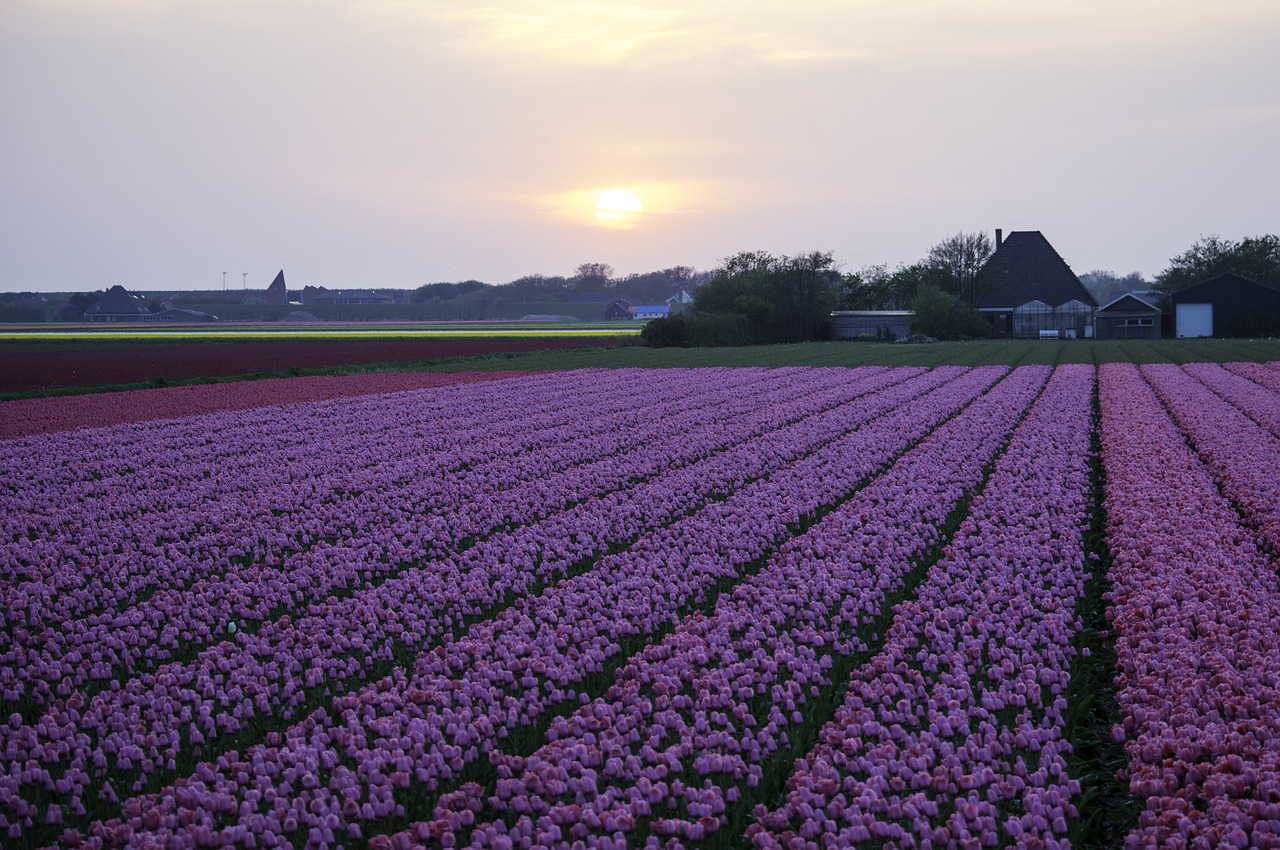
point(76, 306)
point(704, 329)
point(591, 278)
point(865, 289)
point(799, 293)
point(430, 292)
point(804, 293)
point(944, 316)
point(1257, 258)
point(537, 287)
point(957, 261)
point(18, 307)
point(655, 287)
point(756, 311)
point(742, 274)
point(1106, 286)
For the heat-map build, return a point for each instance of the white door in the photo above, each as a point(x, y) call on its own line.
point(1194, 320)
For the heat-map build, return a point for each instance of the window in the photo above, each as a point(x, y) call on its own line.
point(1133, 323)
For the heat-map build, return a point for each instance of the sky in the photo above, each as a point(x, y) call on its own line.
point(391, 143)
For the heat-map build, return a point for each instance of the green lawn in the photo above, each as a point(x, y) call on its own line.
point(219, 332)
point(1009, 353)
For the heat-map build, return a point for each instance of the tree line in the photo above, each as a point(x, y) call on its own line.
point(756, 297)
point(589, 281)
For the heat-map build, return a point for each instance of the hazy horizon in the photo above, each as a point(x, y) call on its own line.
point(388, 143)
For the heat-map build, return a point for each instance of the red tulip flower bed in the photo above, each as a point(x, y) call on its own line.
point(99, 364)
point(26, 417)
point(782, 608)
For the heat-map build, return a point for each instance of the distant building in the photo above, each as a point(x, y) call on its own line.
point(652, 311)
point(182, 314)
point(321, 295)
point(276, 292)
point(871, 324)
point(617, 310)
point(119, 305)
point(1027, 291)
point(1134, 315)
point(1225, 306)
point(681, 297)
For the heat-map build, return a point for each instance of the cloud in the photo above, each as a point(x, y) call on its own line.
point(650, 35)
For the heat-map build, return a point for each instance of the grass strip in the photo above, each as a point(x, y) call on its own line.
point(1107, 812)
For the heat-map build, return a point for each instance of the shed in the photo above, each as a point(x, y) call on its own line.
point(1026, 290)
point(322, 295)
point(181, 314)
point(1225, 306)
point(1134, 315)
point(119, 305)
point(652, 311)
point(871, 324)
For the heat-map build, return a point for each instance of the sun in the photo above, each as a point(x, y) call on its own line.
point(618, 208)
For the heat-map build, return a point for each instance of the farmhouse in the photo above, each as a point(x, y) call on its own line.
point(1026, 291)
point(1226, 305)
point(119, 305)
point(1134, 315)
point(617, 310)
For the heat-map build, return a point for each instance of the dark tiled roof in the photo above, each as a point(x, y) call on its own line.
point(1026, 268)
point(118, 302)
point(1206, 289)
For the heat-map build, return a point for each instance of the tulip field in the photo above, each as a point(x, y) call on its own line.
point(707, 607)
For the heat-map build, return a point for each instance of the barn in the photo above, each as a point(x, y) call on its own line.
point(1026, 290)
point(1134, 315)
point(617, 310)
point(1226, 306)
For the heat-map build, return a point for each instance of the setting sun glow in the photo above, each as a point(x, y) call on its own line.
point(618, 208)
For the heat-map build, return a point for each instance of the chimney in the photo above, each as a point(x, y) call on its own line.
point(999, 237)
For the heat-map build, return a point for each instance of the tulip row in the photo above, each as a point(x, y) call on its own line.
point(1194, 605)
point(300, 493)
point(29, 417)
point(693, 721)
point(1244, 456)
point(1264, 374)
point(953, 735)
point(69, 652)
point(233, 686)
point(334, 772)
point(1251, 398)
point(210, 502)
